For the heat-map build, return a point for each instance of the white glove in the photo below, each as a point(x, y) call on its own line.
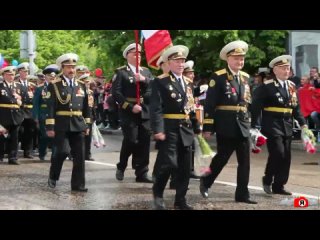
point(204, 88)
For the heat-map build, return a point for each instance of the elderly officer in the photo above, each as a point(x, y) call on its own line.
point(135, 122)
point(163, 65)
point(86, 80)
point(81, 70)
point(226, 114)
point(277, 99)
point(67, 102)
point(11, 114)
point(33, 82)
point(171, 106)
point(188, 72)
point(28, 125)
point(40, 109)
point(165, 70)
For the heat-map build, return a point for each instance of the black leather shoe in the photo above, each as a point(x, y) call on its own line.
point(41, 158)
point(28, 156)
point(182, 206)
point(203, 189)
point(158, 204)
point(266, 188)
point(246, 200)
point(13, 162)
point(119, 175)
point(89, 159)
point(281, 192)
point(52, 183)
point(144, 179)
point(80, 189)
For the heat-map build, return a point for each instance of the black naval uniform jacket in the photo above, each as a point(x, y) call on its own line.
point(10, 112)
point(278, 109)
point(27, 93)
point(39, 110)
point(168, 98)
point(225, 110)
point(68, 108)
point(124, 92)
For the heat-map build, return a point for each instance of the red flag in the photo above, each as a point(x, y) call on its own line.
point(156, 41)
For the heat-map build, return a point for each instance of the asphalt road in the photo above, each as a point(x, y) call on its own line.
point(25, 186)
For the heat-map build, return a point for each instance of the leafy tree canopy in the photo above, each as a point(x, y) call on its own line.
point(103, 48)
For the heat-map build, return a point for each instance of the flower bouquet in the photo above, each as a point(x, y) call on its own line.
point(97, 138)
point(309, 140)
point(257, 140)
point(203, 153)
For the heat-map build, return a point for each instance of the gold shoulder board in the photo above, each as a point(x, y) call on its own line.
point(188, 80)
point(268, 81)
point(291, 83)
point(79, 81)
point(220, 72)
point(244, 74)
point(163, 75)
point(56, 80)
point(122, 67)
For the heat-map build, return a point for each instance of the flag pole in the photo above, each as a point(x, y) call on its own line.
point(136, 35)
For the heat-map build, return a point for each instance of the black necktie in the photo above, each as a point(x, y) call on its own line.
point(71, 85)
point(284, 88)
point(237, 80)
point(181, 84)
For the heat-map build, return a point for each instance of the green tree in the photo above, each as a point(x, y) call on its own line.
point(9, 44)
point(103, 48)
point(53, 43)
point(50, 45)
point(204, 45)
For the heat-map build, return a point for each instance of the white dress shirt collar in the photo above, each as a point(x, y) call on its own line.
point(133, 68)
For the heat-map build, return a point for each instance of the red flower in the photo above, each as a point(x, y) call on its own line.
point(233, 90)
point(261, 141)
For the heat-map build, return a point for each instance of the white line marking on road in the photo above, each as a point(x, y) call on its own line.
point(102, 163)
point(221, 182)
point(261, 189)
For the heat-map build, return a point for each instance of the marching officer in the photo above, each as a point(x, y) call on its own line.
point(83, 75)
point(165, 70)
point(277, 99)
point(67, 102)
point(135, 119)
point(171, 107)
point(188, 72)
point(11, 114)
point(40, 108)
point(81, 70)
point(33, 80)
point(85, 79)
point(163, 65)
point(28, 125)
point(226, 113)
